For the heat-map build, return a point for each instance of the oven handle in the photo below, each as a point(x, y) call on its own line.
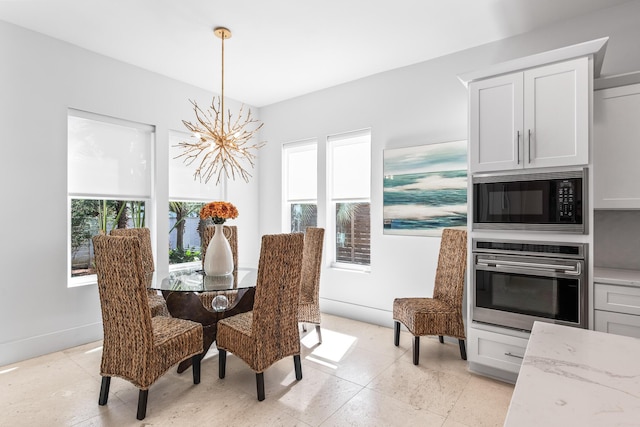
point(568, 269)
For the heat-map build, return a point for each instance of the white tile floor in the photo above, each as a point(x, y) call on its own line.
point(357, 377)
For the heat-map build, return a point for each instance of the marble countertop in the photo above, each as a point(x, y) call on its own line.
point(616, 276)
point(577, 377)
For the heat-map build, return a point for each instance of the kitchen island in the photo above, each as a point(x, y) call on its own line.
point(577, 377)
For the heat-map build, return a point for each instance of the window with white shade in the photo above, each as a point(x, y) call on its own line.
point(300, 177)
point(186, 196)
point(349, 191)
point(109, 182)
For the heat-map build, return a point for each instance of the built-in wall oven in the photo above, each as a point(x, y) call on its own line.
point(516, 283)
point(547, 201)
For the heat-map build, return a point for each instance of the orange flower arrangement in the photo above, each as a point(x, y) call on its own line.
point(219, 212)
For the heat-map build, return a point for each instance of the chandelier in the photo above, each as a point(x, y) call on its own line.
point(220, 146)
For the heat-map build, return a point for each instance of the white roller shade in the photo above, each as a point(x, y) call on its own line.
point(302, 171)
point(351, 166)
point(109, 157)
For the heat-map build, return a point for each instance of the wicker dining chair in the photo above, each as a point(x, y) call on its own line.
point(309, 308)
point(137, 347)
point(231, 233)
point(442, 314)
point(157, 304)
point(269, 332)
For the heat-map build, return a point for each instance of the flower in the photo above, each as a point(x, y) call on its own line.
point(219, 212)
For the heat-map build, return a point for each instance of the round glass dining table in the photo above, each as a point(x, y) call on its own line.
point(180, 289)
point(194, 280)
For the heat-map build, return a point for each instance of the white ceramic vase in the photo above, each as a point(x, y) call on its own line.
point(218, 261)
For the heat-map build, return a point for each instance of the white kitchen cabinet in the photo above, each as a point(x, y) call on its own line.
point(531, 119)
point(497, 350)
point(617, 323)
point(496, 122)
point(616, 128)
point(617, 309)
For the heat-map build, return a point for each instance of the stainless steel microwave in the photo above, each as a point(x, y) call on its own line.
point(549, 201)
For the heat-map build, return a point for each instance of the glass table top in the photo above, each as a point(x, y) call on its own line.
point(194, 280)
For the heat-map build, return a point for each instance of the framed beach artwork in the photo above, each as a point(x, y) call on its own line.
point(425, 188)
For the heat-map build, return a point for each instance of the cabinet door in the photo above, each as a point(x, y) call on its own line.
point(495, 350)
point(556, 114)
point(616, 128)
point(617, 323)
point(621, 299)
point(495, 123)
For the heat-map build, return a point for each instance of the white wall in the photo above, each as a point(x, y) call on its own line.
point(39, 79)
point(419, 104)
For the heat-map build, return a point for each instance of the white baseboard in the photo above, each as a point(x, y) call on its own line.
point(16, 351)
point(362, 313)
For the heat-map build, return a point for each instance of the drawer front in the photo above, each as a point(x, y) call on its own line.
point(617, 323)
point(621, 299)
point(496, 350)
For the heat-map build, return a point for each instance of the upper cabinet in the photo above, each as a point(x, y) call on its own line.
point(496, 123)
point(534, 118)
point(616, 139)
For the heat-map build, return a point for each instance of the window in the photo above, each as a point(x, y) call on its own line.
point(109, 182)
point(185, 230)
point(300, 168)
point(91, 216)
point(350, 191)
point(186, 197)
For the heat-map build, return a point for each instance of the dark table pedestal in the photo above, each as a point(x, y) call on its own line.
point(187, 305)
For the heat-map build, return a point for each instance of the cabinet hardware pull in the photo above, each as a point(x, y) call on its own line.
point(529, 145)
point(513, 355)
point(518, 148)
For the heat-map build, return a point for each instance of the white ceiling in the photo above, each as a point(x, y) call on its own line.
point(284, 48)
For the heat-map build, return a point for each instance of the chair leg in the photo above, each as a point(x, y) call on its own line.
point(222, 362)
point(195, 365)
point(319, 332)
point(142, 404)
point(441, 339)
point(396, 336)
point(416, 350)
point(298, 366)
point(104, 391)
point(463, 350)
point(260, 385)
point(304, 327)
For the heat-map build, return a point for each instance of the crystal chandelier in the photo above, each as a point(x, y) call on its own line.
point(220, 145)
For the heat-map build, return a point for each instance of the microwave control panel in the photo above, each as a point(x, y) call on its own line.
point(566, 201)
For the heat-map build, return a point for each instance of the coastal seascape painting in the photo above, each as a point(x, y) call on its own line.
point(425, 189)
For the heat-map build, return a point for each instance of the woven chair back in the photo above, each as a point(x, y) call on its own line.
point(144, 234)
point(126, 318)
point(311, 264)
point(275, 310)
point(231, 233)
point(452, 263)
